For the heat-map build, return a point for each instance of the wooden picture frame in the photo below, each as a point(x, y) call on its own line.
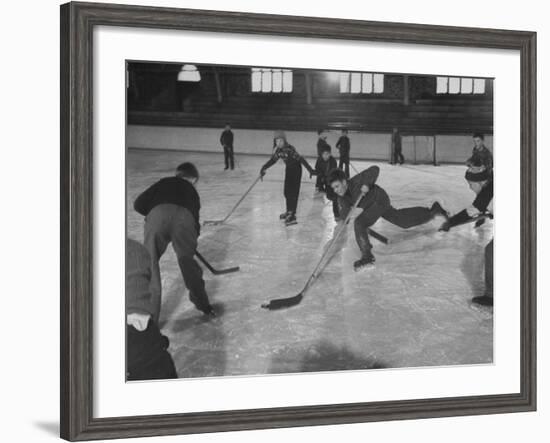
point(77, 23)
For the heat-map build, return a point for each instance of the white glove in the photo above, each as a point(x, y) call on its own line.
point(138, 321)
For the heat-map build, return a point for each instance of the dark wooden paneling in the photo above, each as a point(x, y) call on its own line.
point(155, 97)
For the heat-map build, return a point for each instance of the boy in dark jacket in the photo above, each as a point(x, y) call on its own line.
point(481, 155)
point(324, 165)
point(373, 205)
point(147, 357)
point(344, 146)
point(171, 208)
point(226, 140)
point(293, 174)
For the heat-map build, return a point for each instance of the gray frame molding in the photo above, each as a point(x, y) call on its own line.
point(77, 22)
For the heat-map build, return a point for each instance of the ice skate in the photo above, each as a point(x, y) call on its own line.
point(364, 262)
point(284, 215)
point(291, 219)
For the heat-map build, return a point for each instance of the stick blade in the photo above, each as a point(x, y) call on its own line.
point(212, 222)
point(283, 303)
point(225, 271)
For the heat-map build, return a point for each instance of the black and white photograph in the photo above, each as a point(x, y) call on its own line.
point(283, 220)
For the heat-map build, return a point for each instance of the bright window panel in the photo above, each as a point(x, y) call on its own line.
point(355, 82)
point(466, 85)
point(277, 81)
point(378, 80)
point(367, 83)
point(344, 82)
point(442, 85)
point(287, 80)
point(454, 85)
point(479, 86)
point(266, 80)
point(256, 81)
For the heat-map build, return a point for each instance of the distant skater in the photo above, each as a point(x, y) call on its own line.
point(323, 167)
point(374, 204)
point(344, 146)
point(171, 208)
point(396, 148)
point(226, 140)
point(293, 174)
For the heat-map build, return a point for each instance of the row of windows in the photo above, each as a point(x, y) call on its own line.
point(460, 85)
point(270, 80)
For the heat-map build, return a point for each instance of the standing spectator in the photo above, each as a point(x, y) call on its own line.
point(147, 357)
point(171, 207)
point(344, 146)
point(226, 140)
point(397, 155)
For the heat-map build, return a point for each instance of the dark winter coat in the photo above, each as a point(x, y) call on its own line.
point(367, 177)
point(174, 190)
point(481, 157)
point(226, 139)
point(322, 145)
point(343, 145)
point(323, 167)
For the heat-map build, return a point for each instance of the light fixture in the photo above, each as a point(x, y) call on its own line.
point(189, 73)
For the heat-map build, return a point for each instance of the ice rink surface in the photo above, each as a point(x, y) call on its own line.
point(411, 309)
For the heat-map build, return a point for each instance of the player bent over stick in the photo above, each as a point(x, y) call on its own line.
point(374, 205)
point(171, 208)
point(293, 174)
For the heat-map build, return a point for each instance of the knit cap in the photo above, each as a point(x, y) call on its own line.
point(279, 134)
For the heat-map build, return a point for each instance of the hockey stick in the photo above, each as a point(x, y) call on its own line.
point(219, 222)
point(354, 168)
point(378, 236)
point(215, 271)
point(288, 302)
point(479, 218)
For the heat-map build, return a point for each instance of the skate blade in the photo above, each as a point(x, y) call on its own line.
point(291, 223)
point(365, 268)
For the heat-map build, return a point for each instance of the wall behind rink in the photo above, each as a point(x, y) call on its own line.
point(364, 146)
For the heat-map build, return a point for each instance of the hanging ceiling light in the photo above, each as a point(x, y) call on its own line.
point(189, 73)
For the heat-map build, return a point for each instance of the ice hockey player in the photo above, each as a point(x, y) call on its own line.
point(171, 208)
point(481, 155)
point(373, 205)
point(293, 174)
point(324, 165)
point(481, 182)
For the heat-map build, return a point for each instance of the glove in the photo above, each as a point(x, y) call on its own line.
point(456, 219)
point(262, 173)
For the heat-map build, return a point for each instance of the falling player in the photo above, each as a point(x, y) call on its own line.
point(293, 174)
point(373, 205)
